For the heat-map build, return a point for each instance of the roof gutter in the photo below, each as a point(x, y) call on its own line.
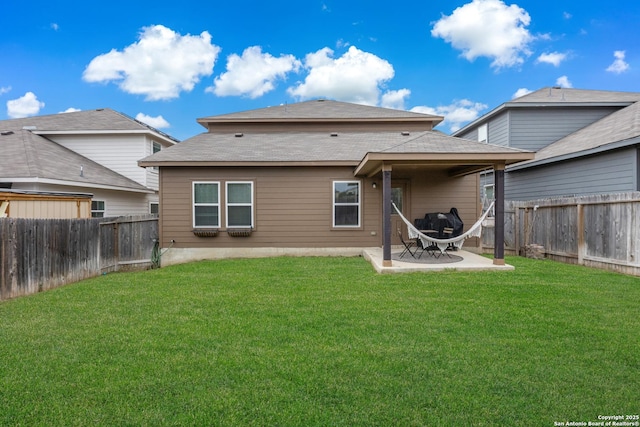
point(162, 137)
point(77, 184)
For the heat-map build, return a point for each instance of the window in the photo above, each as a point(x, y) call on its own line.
point(206, 205)
point(154, 208)
point(155, 147)
point(346, 204)
point(483, 134)
point(240, 204)
point(487, 197)
point(97, 209)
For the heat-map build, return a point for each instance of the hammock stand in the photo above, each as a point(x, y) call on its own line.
point(443, 244)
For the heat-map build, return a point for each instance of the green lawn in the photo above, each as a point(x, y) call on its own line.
point(323, 342)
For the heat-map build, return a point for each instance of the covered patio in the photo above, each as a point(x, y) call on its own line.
point(427, 153)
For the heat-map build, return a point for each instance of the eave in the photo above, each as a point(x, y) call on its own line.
point(457, 163)
point(156, 135)
point(220, 164)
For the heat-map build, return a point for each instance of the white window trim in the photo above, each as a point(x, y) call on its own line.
point(193, 204)
point(153, 144)
point(154, 203)
point(227, 204)
point(334, 204)
point(103, 211)
point(485, 200)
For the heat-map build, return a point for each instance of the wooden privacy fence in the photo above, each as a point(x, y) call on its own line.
point(41, 254)
point(600, 231)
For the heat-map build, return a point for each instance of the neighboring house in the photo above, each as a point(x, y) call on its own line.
point(315, 177)
point(586, 142)
point(94, 151)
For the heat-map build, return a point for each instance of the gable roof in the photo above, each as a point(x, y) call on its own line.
point(28, 157)
point(558, 97)
point(102, 120)
point(619, 129)
point(362, 149)
point(563, 96)
point(320, 110)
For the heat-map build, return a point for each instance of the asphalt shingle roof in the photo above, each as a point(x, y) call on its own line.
point(568, 96)
point(26, 155)
point(102, 119)
point(313, 147)
point(319, 109)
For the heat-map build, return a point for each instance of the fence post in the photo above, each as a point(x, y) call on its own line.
point(516, 229)
point(580, 230)
point(116, 231)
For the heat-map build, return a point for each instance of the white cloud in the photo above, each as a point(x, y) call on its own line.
point(563, 81)
point(70, 110)
point(567, 15)
point(4, 89)
point(394, 99)
point(456, 114)
point(157, 122)
point(487, 28)
point(619, 65)
point(253, 74)
point(54, 26)
point(25, 106)
point(521, 92)
point(553, 58)
point(356, 76)
point(160, 65)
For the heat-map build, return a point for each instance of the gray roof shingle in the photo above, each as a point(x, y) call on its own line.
point(26, 155)
point(570, 95)
point(102, 119)
point(320, 109)
point(312, 147)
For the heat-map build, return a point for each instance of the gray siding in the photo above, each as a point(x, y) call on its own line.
point(471, 135)
point(535, 128)
point(610, 172)
point(498, 129)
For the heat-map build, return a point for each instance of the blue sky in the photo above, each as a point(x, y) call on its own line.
point(169, 63)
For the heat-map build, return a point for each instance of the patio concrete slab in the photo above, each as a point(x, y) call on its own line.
point(469, 262)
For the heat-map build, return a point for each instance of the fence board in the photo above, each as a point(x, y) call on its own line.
point(601, 231)
point(40, 254)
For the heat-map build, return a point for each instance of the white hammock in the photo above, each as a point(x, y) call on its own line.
point(443, 244)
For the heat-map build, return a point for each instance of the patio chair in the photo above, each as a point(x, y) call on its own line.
point(410, 247)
